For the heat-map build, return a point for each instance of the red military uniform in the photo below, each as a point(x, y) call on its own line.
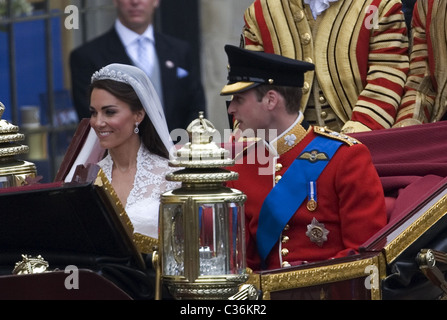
point(360, 49)
point(349, 195)
point(425, 95)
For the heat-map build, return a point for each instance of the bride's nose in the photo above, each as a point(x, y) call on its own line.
point(97, 121)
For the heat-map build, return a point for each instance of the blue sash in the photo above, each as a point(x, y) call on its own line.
point(286, 197)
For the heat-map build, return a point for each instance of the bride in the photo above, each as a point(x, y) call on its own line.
point(129, 122)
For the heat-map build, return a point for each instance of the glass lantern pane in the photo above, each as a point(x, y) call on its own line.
point(221, 239)
point(173, 240)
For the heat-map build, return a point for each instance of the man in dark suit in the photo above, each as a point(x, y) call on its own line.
point(175, 76)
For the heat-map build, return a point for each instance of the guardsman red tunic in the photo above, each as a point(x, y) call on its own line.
point(359, 48)
point(425, 98)
point(350, 205)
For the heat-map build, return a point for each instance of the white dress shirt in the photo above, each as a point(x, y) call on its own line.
point(130, 38)
point(318, 6)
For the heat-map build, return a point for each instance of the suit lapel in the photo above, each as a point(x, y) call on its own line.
point(168, 67)
point(115, 48)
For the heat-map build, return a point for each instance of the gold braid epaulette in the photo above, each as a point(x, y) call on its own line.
point(336, 135)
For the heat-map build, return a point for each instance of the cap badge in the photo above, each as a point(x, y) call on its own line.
point(316, 232)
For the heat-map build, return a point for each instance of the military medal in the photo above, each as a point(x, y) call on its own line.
point(312, 196)
point(316, 232)
point(311, 205)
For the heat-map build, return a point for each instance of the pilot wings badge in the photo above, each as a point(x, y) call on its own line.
point(313, 156)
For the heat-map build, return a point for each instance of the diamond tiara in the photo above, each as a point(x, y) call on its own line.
point(106, 73)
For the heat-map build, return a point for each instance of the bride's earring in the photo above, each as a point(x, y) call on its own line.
point(136, 130)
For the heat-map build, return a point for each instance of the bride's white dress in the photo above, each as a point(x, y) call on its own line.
point(144, 199)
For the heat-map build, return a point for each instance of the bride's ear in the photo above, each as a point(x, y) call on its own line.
point(140, 116)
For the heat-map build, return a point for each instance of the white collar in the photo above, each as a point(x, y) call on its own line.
point(318, 6)
point(128, 36)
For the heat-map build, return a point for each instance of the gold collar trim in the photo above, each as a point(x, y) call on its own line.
point(291, 138)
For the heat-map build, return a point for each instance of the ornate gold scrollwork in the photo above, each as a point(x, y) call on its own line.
point(30, 265)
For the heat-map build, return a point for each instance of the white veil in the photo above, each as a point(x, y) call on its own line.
point(145, 90)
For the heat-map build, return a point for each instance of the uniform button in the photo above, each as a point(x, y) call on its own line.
point(286, 227)
point(323, 114)
point(278, 167)
point(306, 87)
point(277, 178)
point(284, 252)
point(285, 264)
point(322, 99)
point(285, 239)
point(305, 37)
point(298, 16)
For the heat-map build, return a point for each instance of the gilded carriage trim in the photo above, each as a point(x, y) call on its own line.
point(253, 278)
point(416, 229)
point(106, 190)
point(104, 183)
point(145, 244)
point(376, 292)
point(321, 275)
point(31, 265)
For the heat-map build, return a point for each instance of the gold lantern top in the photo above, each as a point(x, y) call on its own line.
point(10, 147)
point(201, 153)
point(9, 136)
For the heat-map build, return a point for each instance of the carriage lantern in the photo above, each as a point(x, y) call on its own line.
point(202, 237)
point(13, 172)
